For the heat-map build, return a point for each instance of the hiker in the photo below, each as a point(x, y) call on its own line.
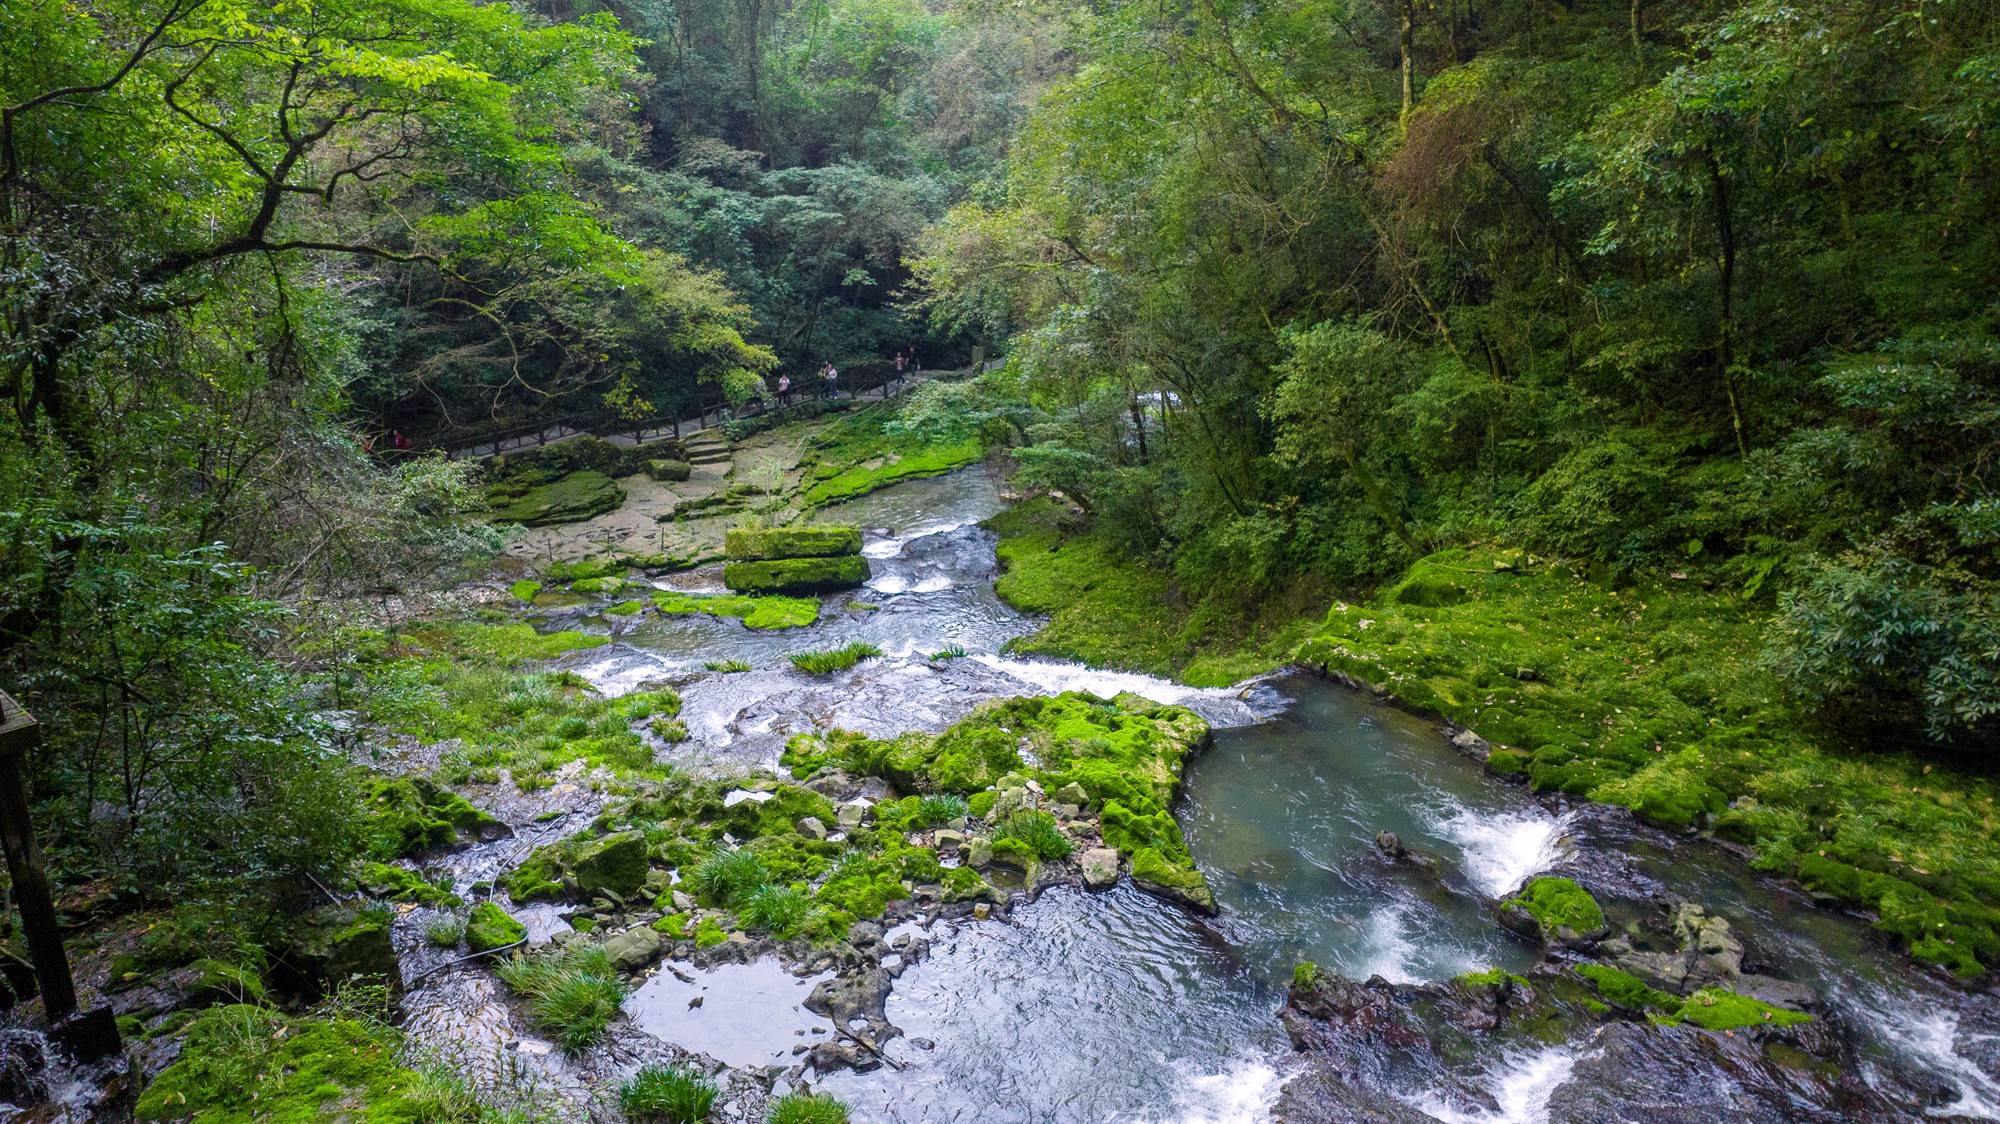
point(399, 442)
point(916, 364)
point(832, 377)
point(784, 390)
point(902, 367)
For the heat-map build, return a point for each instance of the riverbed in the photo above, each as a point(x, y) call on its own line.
point(1116, 1005)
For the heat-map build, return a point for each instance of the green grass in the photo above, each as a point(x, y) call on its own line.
point(778, 910)
point(764, 613)
point(1109, 610)
point(728, 667)
point(834, 659)
point(1652, 697)
point(239, 1064)
point(1711, 1008)
point(525, 590)
point(807, 1108)
point(673, 731)
point(572, 994)
point(445, 932)
point(729, 878)
point(1039, 833)
point(943, 655)
point(940, 808)
point(667, 1095)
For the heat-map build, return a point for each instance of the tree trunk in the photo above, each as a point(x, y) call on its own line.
point(1725, 338)
point(1408, 44)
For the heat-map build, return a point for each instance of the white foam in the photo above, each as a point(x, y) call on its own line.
point(1521, 1095)
point(1223, 706)
point(1505, 849)
point(1390, 950)
point(891, 547)
point(621, 670)
point(1243, 1092)
point(1930, 1040)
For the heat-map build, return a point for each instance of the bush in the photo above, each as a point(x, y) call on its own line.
point(778, 910)
point(572, 993)
point(934, 810)
point(730, 877)
point(667, 1095)
point(807, 1108)
point(1038, 832)
point(836, 659)
point(445, 932)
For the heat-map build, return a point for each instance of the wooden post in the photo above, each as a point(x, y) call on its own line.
point(18, 734)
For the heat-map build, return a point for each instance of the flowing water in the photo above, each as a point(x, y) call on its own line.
point(1116, 1006)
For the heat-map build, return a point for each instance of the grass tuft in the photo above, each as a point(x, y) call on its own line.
point(573, 993)
point(1039, 833)
point(730, 877)
point(778, 910)
point(660, 1094)
point(835, 659)
point(807, 1108)
point(728, 667)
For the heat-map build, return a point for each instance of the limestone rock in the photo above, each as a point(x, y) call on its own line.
point(810, 826)
point(979, 852)
point(1100, 867)
point(615, 863)
point(1072, 793)
point(633, 949)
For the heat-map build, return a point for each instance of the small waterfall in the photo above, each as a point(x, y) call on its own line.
point(1520, 1091)
point(1505, 849)
point(1240, 705)
point(1392, 954)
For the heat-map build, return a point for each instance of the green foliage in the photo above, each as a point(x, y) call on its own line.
point(445, 932)
point(940, 808)
point(490, 928)
point(1038, 832)
point(572, 993)
point(731, 878)
point(667, 1095)
point(1557, 904)
point(834, 659)
point(728, 667)
point(778, 910)
point(806, 1108)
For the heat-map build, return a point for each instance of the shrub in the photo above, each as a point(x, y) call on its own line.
point(730, 877)
point(1305, 974)
point(667, 1095)
point(1038, 832)
point(445, 932)
point(836, 659)
point(943, 808)
point(572, 993)
point(807, 1108)
point(779, 910)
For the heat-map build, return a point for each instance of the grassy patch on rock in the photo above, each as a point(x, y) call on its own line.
point(830, 660)
point(1652, 697)
point(572, 993)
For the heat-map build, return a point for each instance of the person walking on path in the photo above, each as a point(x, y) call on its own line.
point(832, 377)
point(784, 390)
point(902, 368)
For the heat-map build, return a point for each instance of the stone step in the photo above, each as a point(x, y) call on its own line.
point(718, 457)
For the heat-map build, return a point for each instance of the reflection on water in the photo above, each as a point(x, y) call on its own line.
point(739, 1014)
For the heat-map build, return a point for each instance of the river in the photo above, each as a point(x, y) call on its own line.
point(1116, 1006)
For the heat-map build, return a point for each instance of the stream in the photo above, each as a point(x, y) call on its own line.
point(1117, 1006)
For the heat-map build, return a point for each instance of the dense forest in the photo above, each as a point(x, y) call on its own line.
point(1683, 311)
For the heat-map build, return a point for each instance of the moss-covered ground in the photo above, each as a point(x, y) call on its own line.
point(854, 455)
point(1652, 697)
point(754, 612)
point(1110, 609)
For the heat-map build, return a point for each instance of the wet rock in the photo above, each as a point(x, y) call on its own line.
point(812, 828)
point(338, 943)
point(633, 949)
point(1391, 845)
point(1471, 744)
point(1099, 866)
point(683, 902)
point(1067, 811)
point(857, 995)
point(1636, 1071)
point(864, 934)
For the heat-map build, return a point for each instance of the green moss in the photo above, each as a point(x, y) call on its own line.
point(762, 613)
point(1627, 990)
point(666, 469)
point(525, 590)
point(1305, 974)
point(879, 471)
point(576, 496)
point(796, 575)
point(582, 569)
point(1653, 697)
point(1558, 904)
point(673, 925)
point(1491, 977)
point(1711, 1008)
point(625, 608)
point(404, 885)
point(1177, 877)
point(754, 543)
point(615, 862)
point(242, 1063)
point(1108, 609)
point(506, 643)
point(709, 933)
point(489, 927)
point(604, 583)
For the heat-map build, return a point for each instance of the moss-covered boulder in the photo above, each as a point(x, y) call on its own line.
point(491, 927)
point(335, 944)
point(752, 543)
point(796, 575)
point(667, 469)
point(615, 862)
point(1555, 911)
point(411, 816)
point(571, 498)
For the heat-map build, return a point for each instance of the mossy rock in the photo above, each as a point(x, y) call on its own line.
point(1555, 911)
point(765, 543)
point(796, 575)
point(581, 495)
point(1156, 874)
point(615, 862)
point(337, 943)
point(669, 469)
point(413, 816)
point(397, 883)
point(491, 927)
